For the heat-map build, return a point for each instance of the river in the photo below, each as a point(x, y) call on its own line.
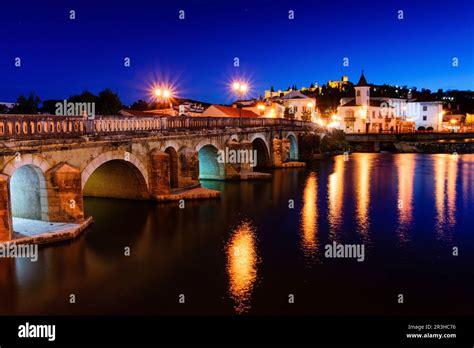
point(260, 249)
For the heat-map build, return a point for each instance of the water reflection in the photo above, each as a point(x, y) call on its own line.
point(362, 187)
point(406, 171)
point(445, 173)
point(335, 195)
point(181, 247)
point(242, 266)
point(451, 186)
point(309, 217)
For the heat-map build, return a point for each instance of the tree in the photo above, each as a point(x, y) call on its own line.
point(140, 105)
point(311, 85)
point(3, 109)
point(49, 106)
point(306, 115)
point(28, 105)
point(84, 97)
point(272, 89)
point(108, 102)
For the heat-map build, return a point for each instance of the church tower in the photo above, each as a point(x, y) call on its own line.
point(362, 91)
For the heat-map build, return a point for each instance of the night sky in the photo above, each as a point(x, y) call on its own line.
point(61, 57)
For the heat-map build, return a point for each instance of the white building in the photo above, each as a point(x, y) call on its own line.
point(426, 114)
point(267, 108)
point(299, 104)
point(364, 114)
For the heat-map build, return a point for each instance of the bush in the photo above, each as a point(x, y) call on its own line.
point(334, 142)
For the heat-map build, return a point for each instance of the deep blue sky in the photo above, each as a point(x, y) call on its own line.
point(61, 57)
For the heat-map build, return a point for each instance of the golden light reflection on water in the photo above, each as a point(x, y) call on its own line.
point(445, 174)
point(451, 186)
point(406, 171)
point(362, 187)
point(309, 216)
point(242, 262)
point(335, 195)
point(467, 179)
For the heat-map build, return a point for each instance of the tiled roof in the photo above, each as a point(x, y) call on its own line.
point(234, 112)
point(362, 80)
point(295, 95)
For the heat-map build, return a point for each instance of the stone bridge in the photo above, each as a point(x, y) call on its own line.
point(48, 163)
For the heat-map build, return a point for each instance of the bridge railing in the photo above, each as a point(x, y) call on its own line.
point(24, 127)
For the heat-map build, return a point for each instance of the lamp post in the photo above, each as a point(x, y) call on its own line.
point(240, 89)
point(163, 94)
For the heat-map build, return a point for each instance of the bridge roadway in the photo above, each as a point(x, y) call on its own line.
point(49, 163)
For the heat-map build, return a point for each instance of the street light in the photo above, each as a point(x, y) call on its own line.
point(163, 94)
point(240, 89)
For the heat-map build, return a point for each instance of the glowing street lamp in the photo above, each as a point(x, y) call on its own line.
point(240, 89)
point(163, 94)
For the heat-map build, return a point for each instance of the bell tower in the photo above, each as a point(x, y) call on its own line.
point(362, 91)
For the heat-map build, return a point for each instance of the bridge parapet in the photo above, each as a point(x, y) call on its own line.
point(24, 127)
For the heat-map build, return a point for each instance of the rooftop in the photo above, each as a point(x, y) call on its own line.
point(362, 81)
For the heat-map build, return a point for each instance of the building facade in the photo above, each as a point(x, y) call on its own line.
point(300, 105)
point(364, 114)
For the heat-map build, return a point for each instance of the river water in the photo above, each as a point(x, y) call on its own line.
point(260, 249)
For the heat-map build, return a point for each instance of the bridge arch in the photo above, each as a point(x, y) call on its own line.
point(28, 189)
point(115, 174)
point(209, 165)
point(28, 192)
point(260, 144)
point(170, 143)
point(174, 166)
point(209, 141)
point(293, 146)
